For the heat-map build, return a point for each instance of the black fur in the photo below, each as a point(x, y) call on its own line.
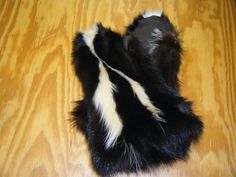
point(149, 142)
point(167, 54)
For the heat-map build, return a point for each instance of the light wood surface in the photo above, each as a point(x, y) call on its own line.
point(38, 86)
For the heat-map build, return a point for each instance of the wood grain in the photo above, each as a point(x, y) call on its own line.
point(38, 86)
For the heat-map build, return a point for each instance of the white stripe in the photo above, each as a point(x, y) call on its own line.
point(141, 94)
point(152, 13)
point(88, 36)
point(104, 102)
point(103, 96)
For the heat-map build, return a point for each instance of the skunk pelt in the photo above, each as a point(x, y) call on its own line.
point(132, 114)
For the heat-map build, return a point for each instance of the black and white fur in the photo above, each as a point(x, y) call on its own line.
point(132, 114)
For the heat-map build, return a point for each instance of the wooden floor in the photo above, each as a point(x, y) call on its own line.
point(38, 86)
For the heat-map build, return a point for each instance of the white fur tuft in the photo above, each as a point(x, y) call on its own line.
point(157, 34)
point(153, 44)
point(89, 35)
point(152, 13)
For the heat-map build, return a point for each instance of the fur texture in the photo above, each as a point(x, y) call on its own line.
point(137, 119)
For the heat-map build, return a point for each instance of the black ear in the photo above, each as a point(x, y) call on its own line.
point(132, 45)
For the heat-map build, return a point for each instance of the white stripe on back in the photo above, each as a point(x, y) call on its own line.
point(103, 97)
